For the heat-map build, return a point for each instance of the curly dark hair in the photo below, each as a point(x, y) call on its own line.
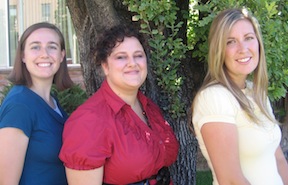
point(109, 38)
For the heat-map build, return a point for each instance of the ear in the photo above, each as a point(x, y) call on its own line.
point(63, 53)
point(23, 58)
point(105, 68)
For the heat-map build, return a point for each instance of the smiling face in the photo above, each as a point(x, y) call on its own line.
point(126, 66)
point(43, 54)
point(242, 52)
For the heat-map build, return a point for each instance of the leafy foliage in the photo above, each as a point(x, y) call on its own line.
point(156, 16)
point(4, 92)
point(70, 98)
point(157, 19)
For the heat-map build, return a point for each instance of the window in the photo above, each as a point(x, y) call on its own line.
point(13, 33)
point(17, 15)
point(4, 52)
point(46, 12)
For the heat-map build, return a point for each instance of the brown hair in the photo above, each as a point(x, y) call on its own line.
point(21, 76)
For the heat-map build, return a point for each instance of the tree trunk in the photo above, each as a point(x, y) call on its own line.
point(92, 16)
point(89, 18)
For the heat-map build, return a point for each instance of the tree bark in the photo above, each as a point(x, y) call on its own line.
point(92, 16)
point(89, 18)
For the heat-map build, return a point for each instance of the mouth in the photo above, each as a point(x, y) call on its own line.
point(132, 72)
point(44, 64)
point(244, 60)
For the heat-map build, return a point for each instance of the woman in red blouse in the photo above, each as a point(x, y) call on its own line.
point(119, 136)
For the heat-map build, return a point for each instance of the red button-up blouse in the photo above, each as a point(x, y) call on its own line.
point(106, 131)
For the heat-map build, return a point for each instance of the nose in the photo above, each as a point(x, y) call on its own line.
point(44, 52)
point(242, 46)
point(131, 61)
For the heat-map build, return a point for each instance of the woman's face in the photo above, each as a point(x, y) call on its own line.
point(42, 54)
point(242, 51)
point(126, 66)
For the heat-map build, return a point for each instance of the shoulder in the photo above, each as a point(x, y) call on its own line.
point(16, 98)
point(215, 88)
point(18, 94)
point(93, 110)
point(16, 111)
point(215, 103)
point(215, 93)
point(93, 105)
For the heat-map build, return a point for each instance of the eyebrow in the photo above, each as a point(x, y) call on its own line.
point(253, 33)
point(38, 42)
point(124, 52)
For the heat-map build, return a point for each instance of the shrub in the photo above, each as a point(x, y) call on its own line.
point(70, 98)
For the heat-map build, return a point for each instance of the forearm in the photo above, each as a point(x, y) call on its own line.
point(221, 141)
point(283, 171)
point(233, 179)
point(282, 165)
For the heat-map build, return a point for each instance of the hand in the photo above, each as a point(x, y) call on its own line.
point(163, 176)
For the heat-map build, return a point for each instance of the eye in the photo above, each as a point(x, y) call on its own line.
point(35, 47)
point(250, 38)
point(119, 57)
point(139, 56)
point(229, 42)
point(53, 47)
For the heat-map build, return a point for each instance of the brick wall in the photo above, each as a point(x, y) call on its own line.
point(75, 73)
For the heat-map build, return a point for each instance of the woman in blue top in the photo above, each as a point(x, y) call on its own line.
point(31, 120)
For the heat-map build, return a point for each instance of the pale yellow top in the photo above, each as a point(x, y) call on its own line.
point(257, 143)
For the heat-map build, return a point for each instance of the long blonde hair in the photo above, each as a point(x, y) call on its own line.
point(217, 72)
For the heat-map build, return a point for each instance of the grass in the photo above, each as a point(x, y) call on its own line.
point(204, 178)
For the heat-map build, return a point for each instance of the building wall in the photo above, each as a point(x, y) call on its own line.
point(32, 11)
point(35, 10)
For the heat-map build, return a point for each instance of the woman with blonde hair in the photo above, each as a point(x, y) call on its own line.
point(232, 116)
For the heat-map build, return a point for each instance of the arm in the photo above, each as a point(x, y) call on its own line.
point(85, 177)
point(282, 165)
point(13, 144)
point(221, 141)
